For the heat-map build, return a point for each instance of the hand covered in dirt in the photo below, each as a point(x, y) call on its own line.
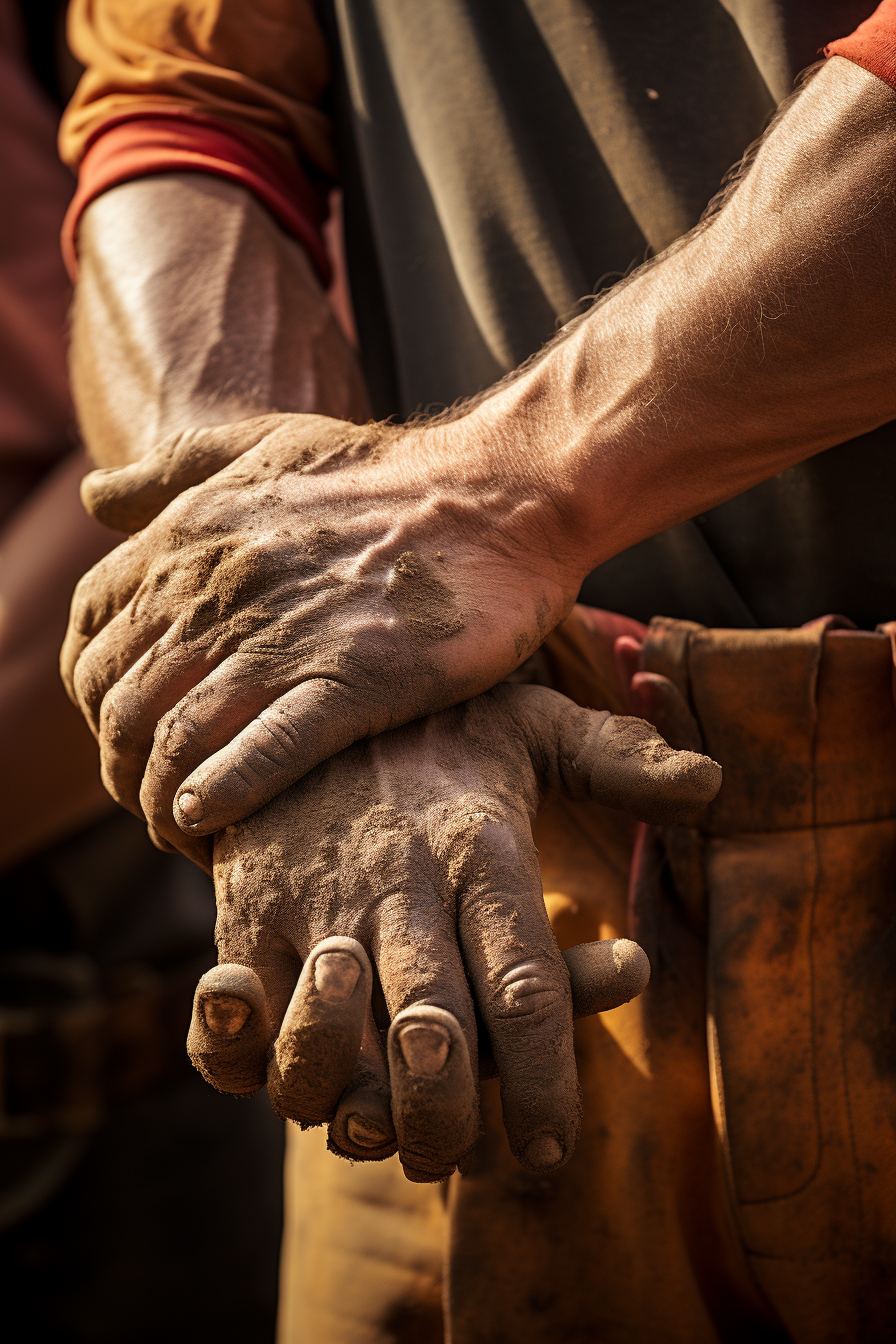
point(299, 583)
point(396, 890)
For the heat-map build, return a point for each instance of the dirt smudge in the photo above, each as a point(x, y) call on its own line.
point(424, 600)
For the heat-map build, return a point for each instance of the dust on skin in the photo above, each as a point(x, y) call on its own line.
point(397, 842)
point(527, 643)
point(427, 604)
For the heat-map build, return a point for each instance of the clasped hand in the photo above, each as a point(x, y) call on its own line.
point(273, 624)
point(381, 913)
point(328, 582)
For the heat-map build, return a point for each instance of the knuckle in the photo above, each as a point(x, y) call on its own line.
point(533, 989)
point(90, 605)
point(171, 738)
point(70, 655)
point(176, 444)
point(89, 685)
point(114, 716)
point(478, 830)
point(251, 763)
point(81, 611)
point(276, 737)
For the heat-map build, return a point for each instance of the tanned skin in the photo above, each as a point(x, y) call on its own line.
point(51, 784)
point(337, 580)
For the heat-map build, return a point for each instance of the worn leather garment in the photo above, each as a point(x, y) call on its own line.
point(791, 878)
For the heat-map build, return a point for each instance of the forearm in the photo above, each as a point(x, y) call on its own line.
point(50, 760)
point(766, 337)
point(194, 308)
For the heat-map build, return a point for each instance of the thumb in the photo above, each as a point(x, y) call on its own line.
point(633, 768)
point(616, 760)
point(659, 701)
point(127, 498)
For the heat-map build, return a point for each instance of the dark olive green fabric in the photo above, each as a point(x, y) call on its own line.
point(505, 158)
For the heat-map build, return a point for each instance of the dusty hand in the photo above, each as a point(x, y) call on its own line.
point(331, 582)
point(398, 883)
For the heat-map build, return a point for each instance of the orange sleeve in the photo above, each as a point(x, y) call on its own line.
point(229, 87)
point(873, 44)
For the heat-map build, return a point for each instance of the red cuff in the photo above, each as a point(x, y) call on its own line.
point(873, 44)
point(137, 144)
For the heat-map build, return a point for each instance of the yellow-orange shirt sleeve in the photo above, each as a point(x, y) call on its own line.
point(231, 87)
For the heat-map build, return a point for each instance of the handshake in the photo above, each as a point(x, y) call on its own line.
point(292, 675)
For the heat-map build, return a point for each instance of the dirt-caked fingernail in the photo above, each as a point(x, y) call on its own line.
point(543, 1153)
point(225, 1014)
point(190, 807)
point(424, 1048)
point(335, 976)
point(366, 1134)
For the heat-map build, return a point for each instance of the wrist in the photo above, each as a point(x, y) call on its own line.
point(519, 480)
point(556, 440)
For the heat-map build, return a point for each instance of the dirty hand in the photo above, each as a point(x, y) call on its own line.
point(311, 582)
point(398, 884)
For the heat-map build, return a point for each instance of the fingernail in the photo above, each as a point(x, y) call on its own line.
point(425, 1048)
point(190, 807)
point(335, 976)
point(543, 1153)
point(365, 1133)
point(225, 1014)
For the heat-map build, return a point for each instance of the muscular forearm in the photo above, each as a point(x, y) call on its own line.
point(766, 337)
point(194, 308)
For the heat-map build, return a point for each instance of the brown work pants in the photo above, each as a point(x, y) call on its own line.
point(736, 1177)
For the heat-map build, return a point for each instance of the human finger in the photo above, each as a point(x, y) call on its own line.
point(199, 851)
point(108, 657)
point(605, 974)
point(617, 760)
point(139, 699)
point(128, 498)
point(632, 767)
point(310, 723)
point(362, 1128)
point(203, 723)
point(160, 842)
point(254, 942)
point(103, 592)
point(627, 654)
point(316, 1049)
point(602, 975)
point(414, 942)
point(231, 1030)
point(434, 1097)
point(522, 990)
point(228, 691)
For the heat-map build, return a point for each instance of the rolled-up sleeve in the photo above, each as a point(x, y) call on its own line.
point(873, 44)
point(230, 87)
